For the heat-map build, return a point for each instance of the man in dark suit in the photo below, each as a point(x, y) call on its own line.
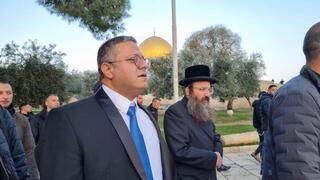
point(189, 129)
point(107, 136)
point(153, 108)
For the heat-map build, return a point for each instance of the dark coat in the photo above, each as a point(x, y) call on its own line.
point(37, 124)
point(24, 131)
point(265, 110)
point(153, 111)
point(295, 127)
point(192, 144)
point(267, 159)
point(256, 118)
point(11, 149)
point(25, 134)
point(89, 140)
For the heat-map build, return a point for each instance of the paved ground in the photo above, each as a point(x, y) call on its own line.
point(243, 167)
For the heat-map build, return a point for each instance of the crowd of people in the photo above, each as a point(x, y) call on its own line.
point(111, 135)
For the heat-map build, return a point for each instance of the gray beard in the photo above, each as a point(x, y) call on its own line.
point(201, 111)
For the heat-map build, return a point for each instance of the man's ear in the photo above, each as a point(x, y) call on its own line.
point(46, 102)
point(107, 70)
point(187, 91)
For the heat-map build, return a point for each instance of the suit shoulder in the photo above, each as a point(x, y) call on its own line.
point(79, 105)
point(175, 106)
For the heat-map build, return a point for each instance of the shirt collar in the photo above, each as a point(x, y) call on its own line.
point(122, 103)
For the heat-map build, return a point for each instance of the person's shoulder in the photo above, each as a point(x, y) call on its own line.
point(20, 117)
point(6, 120)
point(179, 107)
point(299, 91)
point(298, 85)
point(78, 106)
point(176, 105)
point(2, 112)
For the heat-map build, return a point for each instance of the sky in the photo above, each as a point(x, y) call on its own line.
point(275, 28)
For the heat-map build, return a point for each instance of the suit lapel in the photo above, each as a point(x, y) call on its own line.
point(152, 119)
point(118, 123)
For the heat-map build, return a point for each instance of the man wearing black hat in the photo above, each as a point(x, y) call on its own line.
point(189, 129)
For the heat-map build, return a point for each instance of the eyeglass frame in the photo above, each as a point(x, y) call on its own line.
point(203, 89)
point(134, 59)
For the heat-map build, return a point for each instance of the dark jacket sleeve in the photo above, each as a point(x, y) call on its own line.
point(58, 153)
point(16, 148)
point(265, 113)
point(177, 137)
point(218, 146)
point(295, 132)
point(35, 126)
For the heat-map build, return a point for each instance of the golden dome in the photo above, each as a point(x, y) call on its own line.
point(155, 47)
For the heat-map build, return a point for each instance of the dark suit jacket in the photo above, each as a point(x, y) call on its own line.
point(192, 144)
point(89, 140)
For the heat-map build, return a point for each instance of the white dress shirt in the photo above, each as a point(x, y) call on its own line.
point(146, 126)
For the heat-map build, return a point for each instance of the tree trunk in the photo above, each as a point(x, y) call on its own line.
point(248, 99)
point(230, 108)
point(230, 104)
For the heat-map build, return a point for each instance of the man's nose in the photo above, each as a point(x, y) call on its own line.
point(207, 93)
point(5, 96)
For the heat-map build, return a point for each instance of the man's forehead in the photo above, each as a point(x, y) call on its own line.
point(130, 48)
point(53, 97)
point(5, 87)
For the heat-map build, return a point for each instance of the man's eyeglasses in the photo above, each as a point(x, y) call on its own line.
point(137, 60)
point(204, 89)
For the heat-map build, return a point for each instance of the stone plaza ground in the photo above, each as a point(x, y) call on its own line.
point(243, 165)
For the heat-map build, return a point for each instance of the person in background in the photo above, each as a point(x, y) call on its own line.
point(153, 108)
point(23, 128)
point(140, 100)
point(267, 161)
point(50, 102)
point(257, 124)
point(26, 110)
point(13, 160)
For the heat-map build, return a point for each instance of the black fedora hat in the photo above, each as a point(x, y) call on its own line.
point(197, 73)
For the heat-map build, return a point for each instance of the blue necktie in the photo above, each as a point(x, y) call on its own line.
point(139, 141)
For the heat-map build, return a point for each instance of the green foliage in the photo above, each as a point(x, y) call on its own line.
point(100, 17)
point(74, 83)
point(160, 81)
point(80, 84)
point(220, 49)
point(34, 71)
point(248, 73)
point(89, 79)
